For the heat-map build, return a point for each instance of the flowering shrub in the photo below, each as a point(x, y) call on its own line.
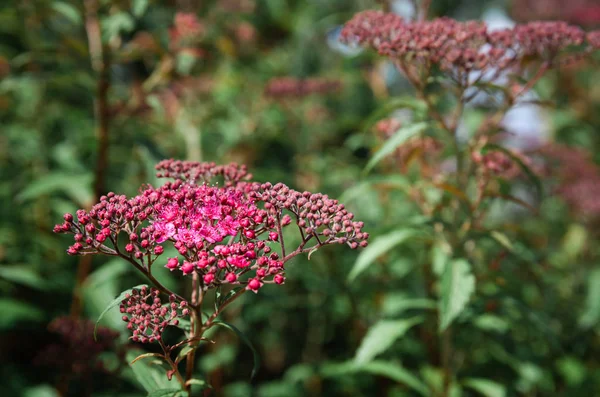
point(229, 234)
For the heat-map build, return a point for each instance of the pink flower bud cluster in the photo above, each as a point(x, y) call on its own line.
point(318, 217)
point(290, 87)
point(198, 173)
point(457, 47)
point(186, 27)
point(77, 351)
point(499, 164)
point(221, 233)
point(147, 317)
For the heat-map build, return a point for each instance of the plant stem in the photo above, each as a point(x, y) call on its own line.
point(446, 352)
point(196, 330)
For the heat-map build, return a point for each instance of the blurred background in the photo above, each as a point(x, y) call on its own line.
point(93, 93)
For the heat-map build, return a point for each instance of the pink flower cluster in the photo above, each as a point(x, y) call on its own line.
point(460, 47)
point(219, 232)
point(500, 164)
point(147, 317)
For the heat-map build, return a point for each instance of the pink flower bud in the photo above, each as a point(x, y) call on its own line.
point(208, 278)
point(278, 279)
point(172, 264)
point(231, 277)
point(129, 247)
point(273, 236)
point(187, 267)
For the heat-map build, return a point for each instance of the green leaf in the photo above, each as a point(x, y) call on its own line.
point(388, 369)
point(378, 247)
point(145, 355)
point(152, 378)
point(114, 303)
point(502, 239)
point(356, 191)
point(21, 274)
point(458, 284)
point(485, 387)
point(382, 336)
point(401, 136)
point(68, 11)
point(139, 7)
point(76, 187)
point(591, 313)
point(164, 393)
point(14, 311)
point(245, 339)
point(394, 104)
point(109, 271)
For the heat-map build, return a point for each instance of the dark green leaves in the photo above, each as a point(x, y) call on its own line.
point(244, 339)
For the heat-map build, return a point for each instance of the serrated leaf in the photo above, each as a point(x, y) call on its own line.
point(378, 247)
point(245, 339)
point(401, 136)
point(458, 284)
point(114, 303)
point(164, 393)
point(388, 369)
point(485, 387)
point(21, 274)
point(151, 378)
point(382, 336)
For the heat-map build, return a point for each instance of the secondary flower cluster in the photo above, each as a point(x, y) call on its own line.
point(77, 351)
point(290, 87)
point(499, 164)
point(147, 317)
point(220, 232)
point(457, 47)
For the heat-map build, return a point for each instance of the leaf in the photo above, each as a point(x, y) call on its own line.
point(358, 190)
point(502, 239)
point(109, 271)
point(401, 136)
point(378, 247)
point(394, 104)
point(114, 303)
point(591, 314)
point(458, 284)
point(14, 311)
point(152, 378)
point(382, 336)
point(164, 393)
point(20, 274)
point(68, 11)
point(145, 355)
point(245, 339)
point(485, 387)
point(76, 187)
point(139, 7)
point(388, 369)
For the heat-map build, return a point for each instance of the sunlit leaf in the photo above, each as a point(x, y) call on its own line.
point(401, 136)
point(382, 336)
point(378, 247)
point(485, 387)
point(458, 284)
point(24, 275)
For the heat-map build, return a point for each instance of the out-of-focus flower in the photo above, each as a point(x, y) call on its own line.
point(291, 87)
point(77, 351)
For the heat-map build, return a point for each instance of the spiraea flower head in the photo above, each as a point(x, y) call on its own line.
point(227, 234)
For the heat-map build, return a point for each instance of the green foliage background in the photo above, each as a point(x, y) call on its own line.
point(340, 326)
